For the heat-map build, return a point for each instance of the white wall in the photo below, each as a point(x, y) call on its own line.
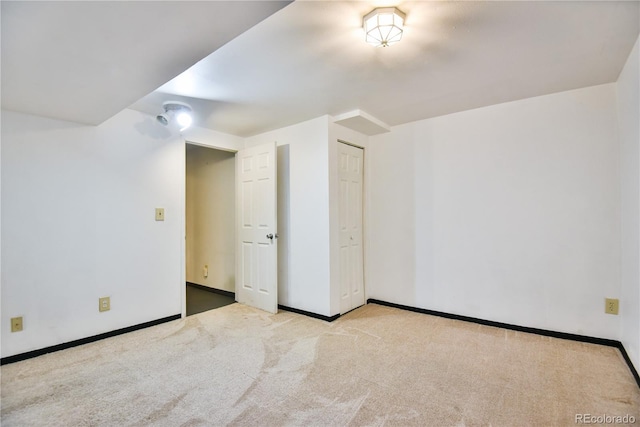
point(210, 217)
point(307, 237)
point(628, 96)
point(391, 228)
point(508, 213)
point(78, 224)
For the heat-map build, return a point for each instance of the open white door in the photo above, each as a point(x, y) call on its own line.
point(257, 248)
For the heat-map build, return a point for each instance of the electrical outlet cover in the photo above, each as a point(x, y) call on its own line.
point(104, 304)
point(611, 305)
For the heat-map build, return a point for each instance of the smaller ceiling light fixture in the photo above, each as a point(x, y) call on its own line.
point(178, 111)
point(383, 26)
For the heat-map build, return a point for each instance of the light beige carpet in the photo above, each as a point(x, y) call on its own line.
point(374, 366)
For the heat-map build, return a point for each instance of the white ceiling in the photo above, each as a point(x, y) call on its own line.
point(310, 59)
point(306, 60)
point(85, 61)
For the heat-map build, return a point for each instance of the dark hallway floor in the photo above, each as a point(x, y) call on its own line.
point(199, 299)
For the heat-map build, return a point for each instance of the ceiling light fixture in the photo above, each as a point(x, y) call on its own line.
point(178, 111)
point(383, 26)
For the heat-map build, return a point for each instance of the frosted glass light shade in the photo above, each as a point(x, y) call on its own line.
point(383, 26)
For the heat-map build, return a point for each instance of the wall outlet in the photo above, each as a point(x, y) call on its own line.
point(205, 270)
point(611, 305)
point(159, 214)
point(104, 304)
point(16, 324)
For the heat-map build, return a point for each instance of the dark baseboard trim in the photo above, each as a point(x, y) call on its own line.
point(214, 290)
point(544, 332)
point(563, 335)
point(629, 362)
point(64, 346)
point(308, 313)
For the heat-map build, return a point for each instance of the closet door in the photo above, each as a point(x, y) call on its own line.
point(351, 176)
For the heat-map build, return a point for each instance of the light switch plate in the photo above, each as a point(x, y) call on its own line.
point(159, 214)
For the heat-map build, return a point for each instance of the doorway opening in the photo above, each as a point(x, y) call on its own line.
point(210, 258)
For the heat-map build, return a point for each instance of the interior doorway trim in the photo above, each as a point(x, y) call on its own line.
point(223, 146)
point(342, 141)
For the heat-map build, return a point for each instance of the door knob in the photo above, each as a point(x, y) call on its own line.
point(270, 236)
